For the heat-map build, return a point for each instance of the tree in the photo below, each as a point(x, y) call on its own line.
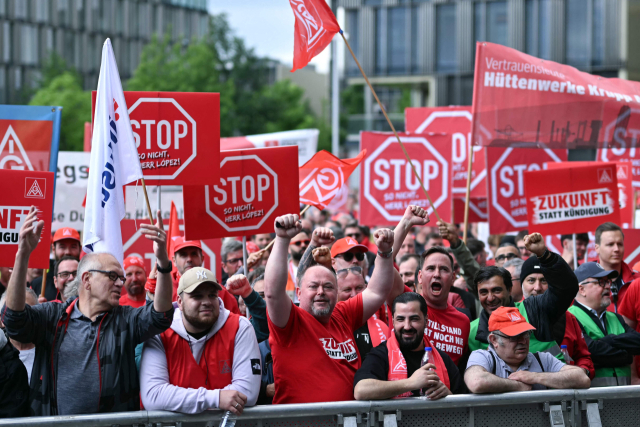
point(65, 91)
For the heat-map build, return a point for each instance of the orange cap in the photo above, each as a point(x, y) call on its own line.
point(508, 321)
point(66, 233)
point(345, 245)
point(180, 244)
point(252, 247)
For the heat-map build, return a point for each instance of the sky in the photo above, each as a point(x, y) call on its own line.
point(267, 26)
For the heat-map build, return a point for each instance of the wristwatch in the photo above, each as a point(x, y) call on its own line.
point(386, 255)
point(164, 270)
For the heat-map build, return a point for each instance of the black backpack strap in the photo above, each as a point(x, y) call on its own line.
point(495, 363)
point(537, 356)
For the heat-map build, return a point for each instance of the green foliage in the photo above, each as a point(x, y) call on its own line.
point(352, 100)
point(65, 91)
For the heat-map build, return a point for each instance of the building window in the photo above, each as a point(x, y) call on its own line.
point(598, 35)
point(354, 41)
point(415, 65)
point(446, 51)
point(538, 28)
point(578, 40)
point(6, 42)
point(397, 43)
point(381, 42)
point(490, 22)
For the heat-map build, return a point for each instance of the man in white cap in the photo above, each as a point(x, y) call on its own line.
point(208, 359)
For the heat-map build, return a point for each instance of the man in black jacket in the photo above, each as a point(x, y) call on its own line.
point(75, 381)
point(14, 385)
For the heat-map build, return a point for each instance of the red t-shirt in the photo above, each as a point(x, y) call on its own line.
point(629, 307)
point(448, 329)
point(126, 300)
point(313, 362)
point(576, 345)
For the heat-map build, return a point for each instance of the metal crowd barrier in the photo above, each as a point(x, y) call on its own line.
point(596, 407)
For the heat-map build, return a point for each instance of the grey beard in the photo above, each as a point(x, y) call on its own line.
point(321, 313)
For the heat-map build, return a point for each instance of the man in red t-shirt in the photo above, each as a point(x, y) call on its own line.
point(629, 308)
point(136, 277)
point(314, 354)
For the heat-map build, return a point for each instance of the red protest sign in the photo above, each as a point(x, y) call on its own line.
point(505, 183)
point(135, 244)
point(25, 144)
point(388, 184)
point(255, 186)
point(177, 135)
point(625, 188)
point(322, 177)
point(632, 247)
point(621, 137)
point(520, 100)
point(27, 188)
point(456, 123)
point(478, 209)
point(580, 198)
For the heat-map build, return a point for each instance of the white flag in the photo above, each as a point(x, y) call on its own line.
point(114, 162)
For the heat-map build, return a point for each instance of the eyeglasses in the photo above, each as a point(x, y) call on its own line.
point(506, 256)
point(233, 260)
point(65, 274)
point(300, 242)
point(348, 256)
point(522, 337)
point(513, 279)
point(113, 276)
point(345, 271)
point(354, 235)
point(603, 281)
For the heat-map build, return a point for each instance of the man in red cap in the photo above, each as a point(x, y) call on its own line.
point(136, 277)
point(66, 242)
point(347, 253)
point(188, 254)
point(508, 365)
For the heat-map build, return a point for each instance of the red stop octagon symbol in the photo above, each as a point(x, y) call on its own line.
point(246, 196)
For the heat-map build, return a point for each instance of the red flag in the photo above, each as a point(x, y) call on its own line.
point(323, 175)
point(315, 27)
point(174, 230)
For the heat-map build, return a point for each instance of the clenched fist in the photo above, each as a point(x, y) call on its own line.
point(322, 256)
point(322, 236)
point(415, 215)
point(239, 285)
point(287, 226)
point(383, 238)
point(534, 242)
point(449, 232)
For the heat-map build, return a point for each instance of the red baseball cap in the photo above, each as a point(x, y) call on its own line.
point(134, 260)
point(347, 244)
point(252, 247)
point(508, 321)
point(66, 233)
point(181, 243)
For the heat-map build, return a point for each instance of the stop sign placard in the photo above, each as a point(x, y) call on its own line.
point(177, 135)
point(456, 123)
point(505, 183)
point(387, 181)
point(255, 186)
point(623, 142)
point(135, 244)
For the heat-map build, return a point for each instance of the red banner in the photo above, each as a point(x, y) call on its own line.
point(27, 188)
point(25, 144)
point(255, 187)
point(322, 177)
point(456, 123)
point(505, 184)
point(520, 100)
point(135, 244)
point(572, 199)
point(632, 247)
point(388, 184)
point(625, 154)
point(625, 188)
point(177, 135)
point(478, 209)
point(314, 29)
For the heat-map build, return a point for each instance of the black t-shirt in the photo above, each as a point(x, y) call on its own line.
point(363, 341)
point(50, 292)
point(376, 366)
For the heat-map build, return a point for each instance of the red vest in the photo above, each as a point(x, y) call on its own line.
point(378, 331)
point(216, 363)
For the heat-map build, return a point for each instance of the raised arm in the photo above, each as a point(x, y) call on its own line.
point(568, 377)
point(479, 380)
point(382, 279)
point(239, 285)
point(164, 284)
point(275, 275)
point(321, 236)
point(463, 255)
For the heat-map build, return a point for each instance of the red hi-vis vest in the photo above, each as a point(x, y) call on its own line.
point(216, 363)
point(398, 366)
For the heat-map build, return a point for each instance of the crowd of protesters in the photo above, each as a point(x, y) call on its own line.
point(325, 310)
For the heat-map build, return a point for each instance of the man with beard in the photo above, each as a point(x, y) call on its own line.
point(611, 341)
point(509, 364)
point(493, 285)
point(582, 241)
point(65, 242)
point(136, 277)
point(392, 369)
point(65, 270)
point(262, 240)
point(314, 354)
point(208, 359)
point(188, 255)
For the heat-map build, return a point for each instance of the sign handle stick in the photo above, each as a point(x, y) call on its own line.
point(146, 198)
point(302, 212)
point(392, 127)
point(44, 283)
point(468, 194)
point(575, 253)
point(244, 255)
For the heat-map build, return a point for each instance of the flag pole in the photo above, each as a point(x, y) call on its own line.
point(468, 194)
point(302, 212)
point(146, 198)
point(366, 79)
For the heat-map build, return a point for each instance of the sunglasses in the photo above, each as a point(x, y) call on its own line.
point(348, 256)
point(354, 235)
point(506, 256)
point(345, 272)
point(518, 338)
point(300, 242)
point(233, 260)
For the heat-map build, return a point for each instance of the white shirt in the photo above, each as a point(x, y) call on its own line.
point(595, 313)
point(27, 357)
